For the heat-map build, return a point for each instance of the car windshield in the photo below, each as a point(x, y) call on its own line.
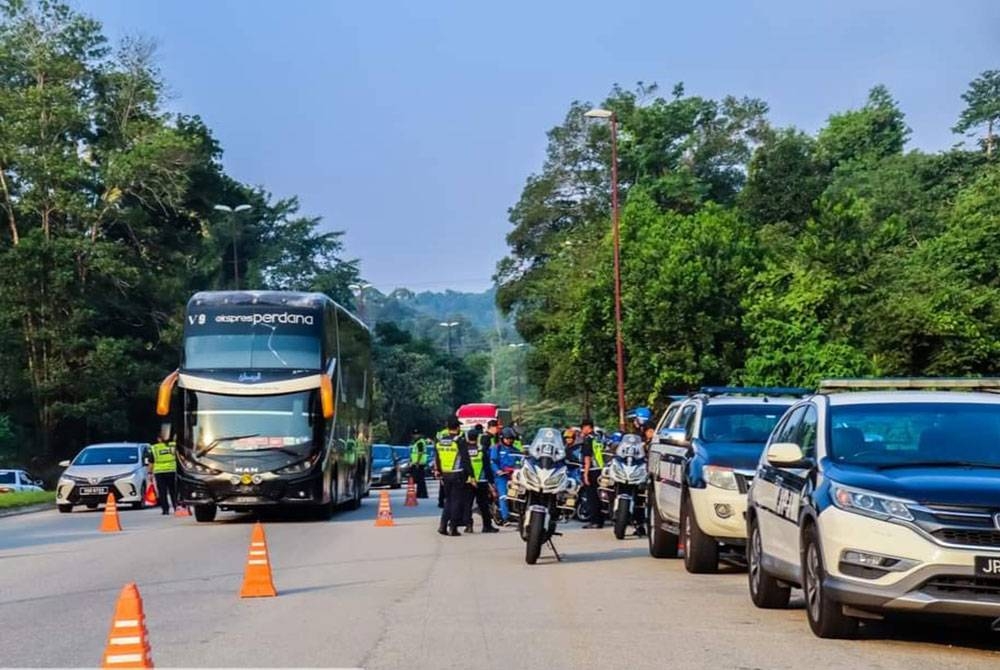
point(740, 423)
point(402, 452)
point(896, 434)
point(7, 478)
point(229, 424)
point(382, 453)
point(107, 456)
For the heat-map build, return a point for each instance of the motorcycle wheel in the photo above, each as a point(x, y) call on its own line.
point(536, 533)
point(621, 520)
point(583, 509)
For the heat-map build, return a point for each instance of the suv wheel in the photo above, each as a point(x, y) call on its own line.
point(65, 509)
point(661, 543)
point(765, 591)
point(701, 552)
point(824, 613)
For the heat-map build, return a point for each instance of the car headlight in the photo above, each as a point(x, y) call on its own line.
point(388, 468)
point(720, 477)
point(870, 504)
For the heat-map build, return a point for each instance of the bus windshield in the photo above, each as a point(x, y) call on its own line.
point(229, 424)
point(252, 351)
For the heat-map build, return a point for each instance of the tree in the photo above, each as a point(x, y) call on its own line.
point(875, 131)
point(982, 101)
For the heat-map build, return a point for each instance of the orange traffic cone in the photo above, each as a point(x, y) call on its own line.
point(411, 493)
point(110, 522)
point(384, 516)
point(181, 510)
point(257, 581)
point(128, 642)
point(150, 496)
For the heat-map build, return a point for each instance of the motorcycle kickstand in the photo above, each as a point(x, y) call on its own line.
point(552, 546)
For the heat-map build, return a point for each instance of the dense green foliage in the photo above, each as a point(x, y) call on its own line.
point(755, 254)
point(108, 226)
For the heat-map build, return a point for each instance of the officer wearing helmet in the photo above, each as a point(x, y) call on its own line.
point(505, 456)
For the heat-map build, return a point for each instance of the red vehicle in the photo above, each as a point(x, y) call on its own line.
point(473, 413)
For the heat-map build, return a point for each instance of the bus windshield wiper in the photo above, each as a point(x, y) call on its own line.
point(936, 464)
point(217, 441)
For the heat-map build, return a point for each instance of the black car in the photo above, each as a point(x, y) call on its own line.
point(386, 467)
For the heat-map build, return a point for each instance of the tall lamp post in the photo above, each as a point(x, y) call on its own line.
point(449, 325)
point(360, 290)
point(616, 241)
point(233, 213)
point(520, 398)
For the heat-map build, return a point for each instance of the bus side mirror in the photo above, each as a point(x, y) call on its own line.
point(163, 395)
point(326, 396)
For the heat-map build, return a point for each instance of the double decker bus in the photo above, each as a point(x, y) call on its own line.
point(271, 405)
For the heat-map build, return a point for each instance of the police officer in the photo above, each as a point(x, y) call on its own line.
point(482, 467)
point(592, 452)
point(451, 459)
point(504, 458)
point(418, 462)
point(164, 471)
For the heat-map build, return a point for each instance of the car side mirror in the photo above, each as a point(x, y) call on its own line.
point(787, 455)
point(63, 464)
point(674, 436)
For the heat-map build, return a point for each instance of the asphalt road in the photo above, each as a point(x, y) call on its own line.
point(354, 595)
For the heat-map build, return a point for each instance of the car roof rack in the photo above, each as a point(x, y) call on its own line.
point(712, 391)
point(991, 384)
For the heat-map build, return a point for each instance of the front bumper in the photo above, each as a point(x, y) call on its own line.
point(720, 513)
point(938, 580)
point(126, 490)
point(274, 490)
point(384, 478)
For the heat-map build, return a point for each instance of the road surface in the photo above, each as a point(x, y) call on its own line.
point(354, 595)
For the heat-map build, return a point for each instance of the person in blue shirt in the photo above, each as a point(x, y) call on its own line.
point(505, 458)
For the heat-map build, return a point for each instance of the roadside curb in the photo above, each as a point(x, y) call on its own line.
point(27, 509)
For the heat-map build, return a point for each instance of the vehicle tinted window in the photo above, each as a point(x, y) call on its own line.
point(808, 430)
point(743, 423)
point(788, 432)
point(7, 478)
point(107, 456)
point(899, 433)
point(251, 351)
point(382, 453)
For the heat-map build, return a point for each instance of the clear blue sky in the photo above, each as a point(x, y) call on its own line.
point(413, 125)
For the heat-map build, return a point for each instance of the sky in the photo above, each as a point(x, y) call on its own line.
point(412, 126)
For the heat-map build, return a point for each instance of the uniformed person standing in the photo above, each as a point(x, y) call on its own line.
point(165, 473)
point(418, 462)
point(482, 468)
point(451, 460)
point(592, 452)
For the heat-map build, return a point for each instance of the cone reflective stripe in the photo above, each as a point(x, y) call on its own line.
point(151, 498)
point(110, 522)
point(411, 493)
point(384, 516)
point(128, 641)
point(257, 582)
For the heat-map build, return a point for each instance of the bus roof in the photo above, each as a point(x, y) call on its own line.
point(269, 298)
point(477, 410)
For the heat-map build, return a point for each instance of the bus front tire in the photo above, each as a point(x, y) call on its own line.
point(205, 513)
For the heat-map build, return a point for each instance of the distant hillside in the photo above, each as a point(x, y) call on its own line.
point(478, 308)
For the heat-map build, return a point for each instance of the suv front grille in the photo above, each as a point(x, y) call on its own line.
point(949, 586)
point(969, 537)
point(743, 481)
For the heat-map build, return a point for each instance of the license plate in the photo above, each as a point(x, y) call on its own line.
point(244, 499)
point(93, 490)
point(987, 566)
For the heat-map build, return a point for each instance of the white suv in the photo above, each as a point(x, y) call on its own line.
point(880, 501)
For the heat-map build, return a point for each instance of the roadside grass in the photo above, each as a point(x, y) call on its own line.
point(22, 498)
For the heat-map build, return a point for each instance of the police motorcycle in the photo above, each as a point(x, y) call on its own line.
point(540, 491)
point(622, 485)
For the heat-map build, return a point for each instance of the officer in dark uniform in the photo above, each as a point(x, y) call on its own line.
point(592, 453)
point(451, 458)
point(418, 462)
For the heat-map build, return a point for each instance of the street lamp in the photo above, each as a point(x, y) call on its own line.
point(520, 401)
point(233, 212)
point(616, 240)
point(360, 290)
point(449, 325)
